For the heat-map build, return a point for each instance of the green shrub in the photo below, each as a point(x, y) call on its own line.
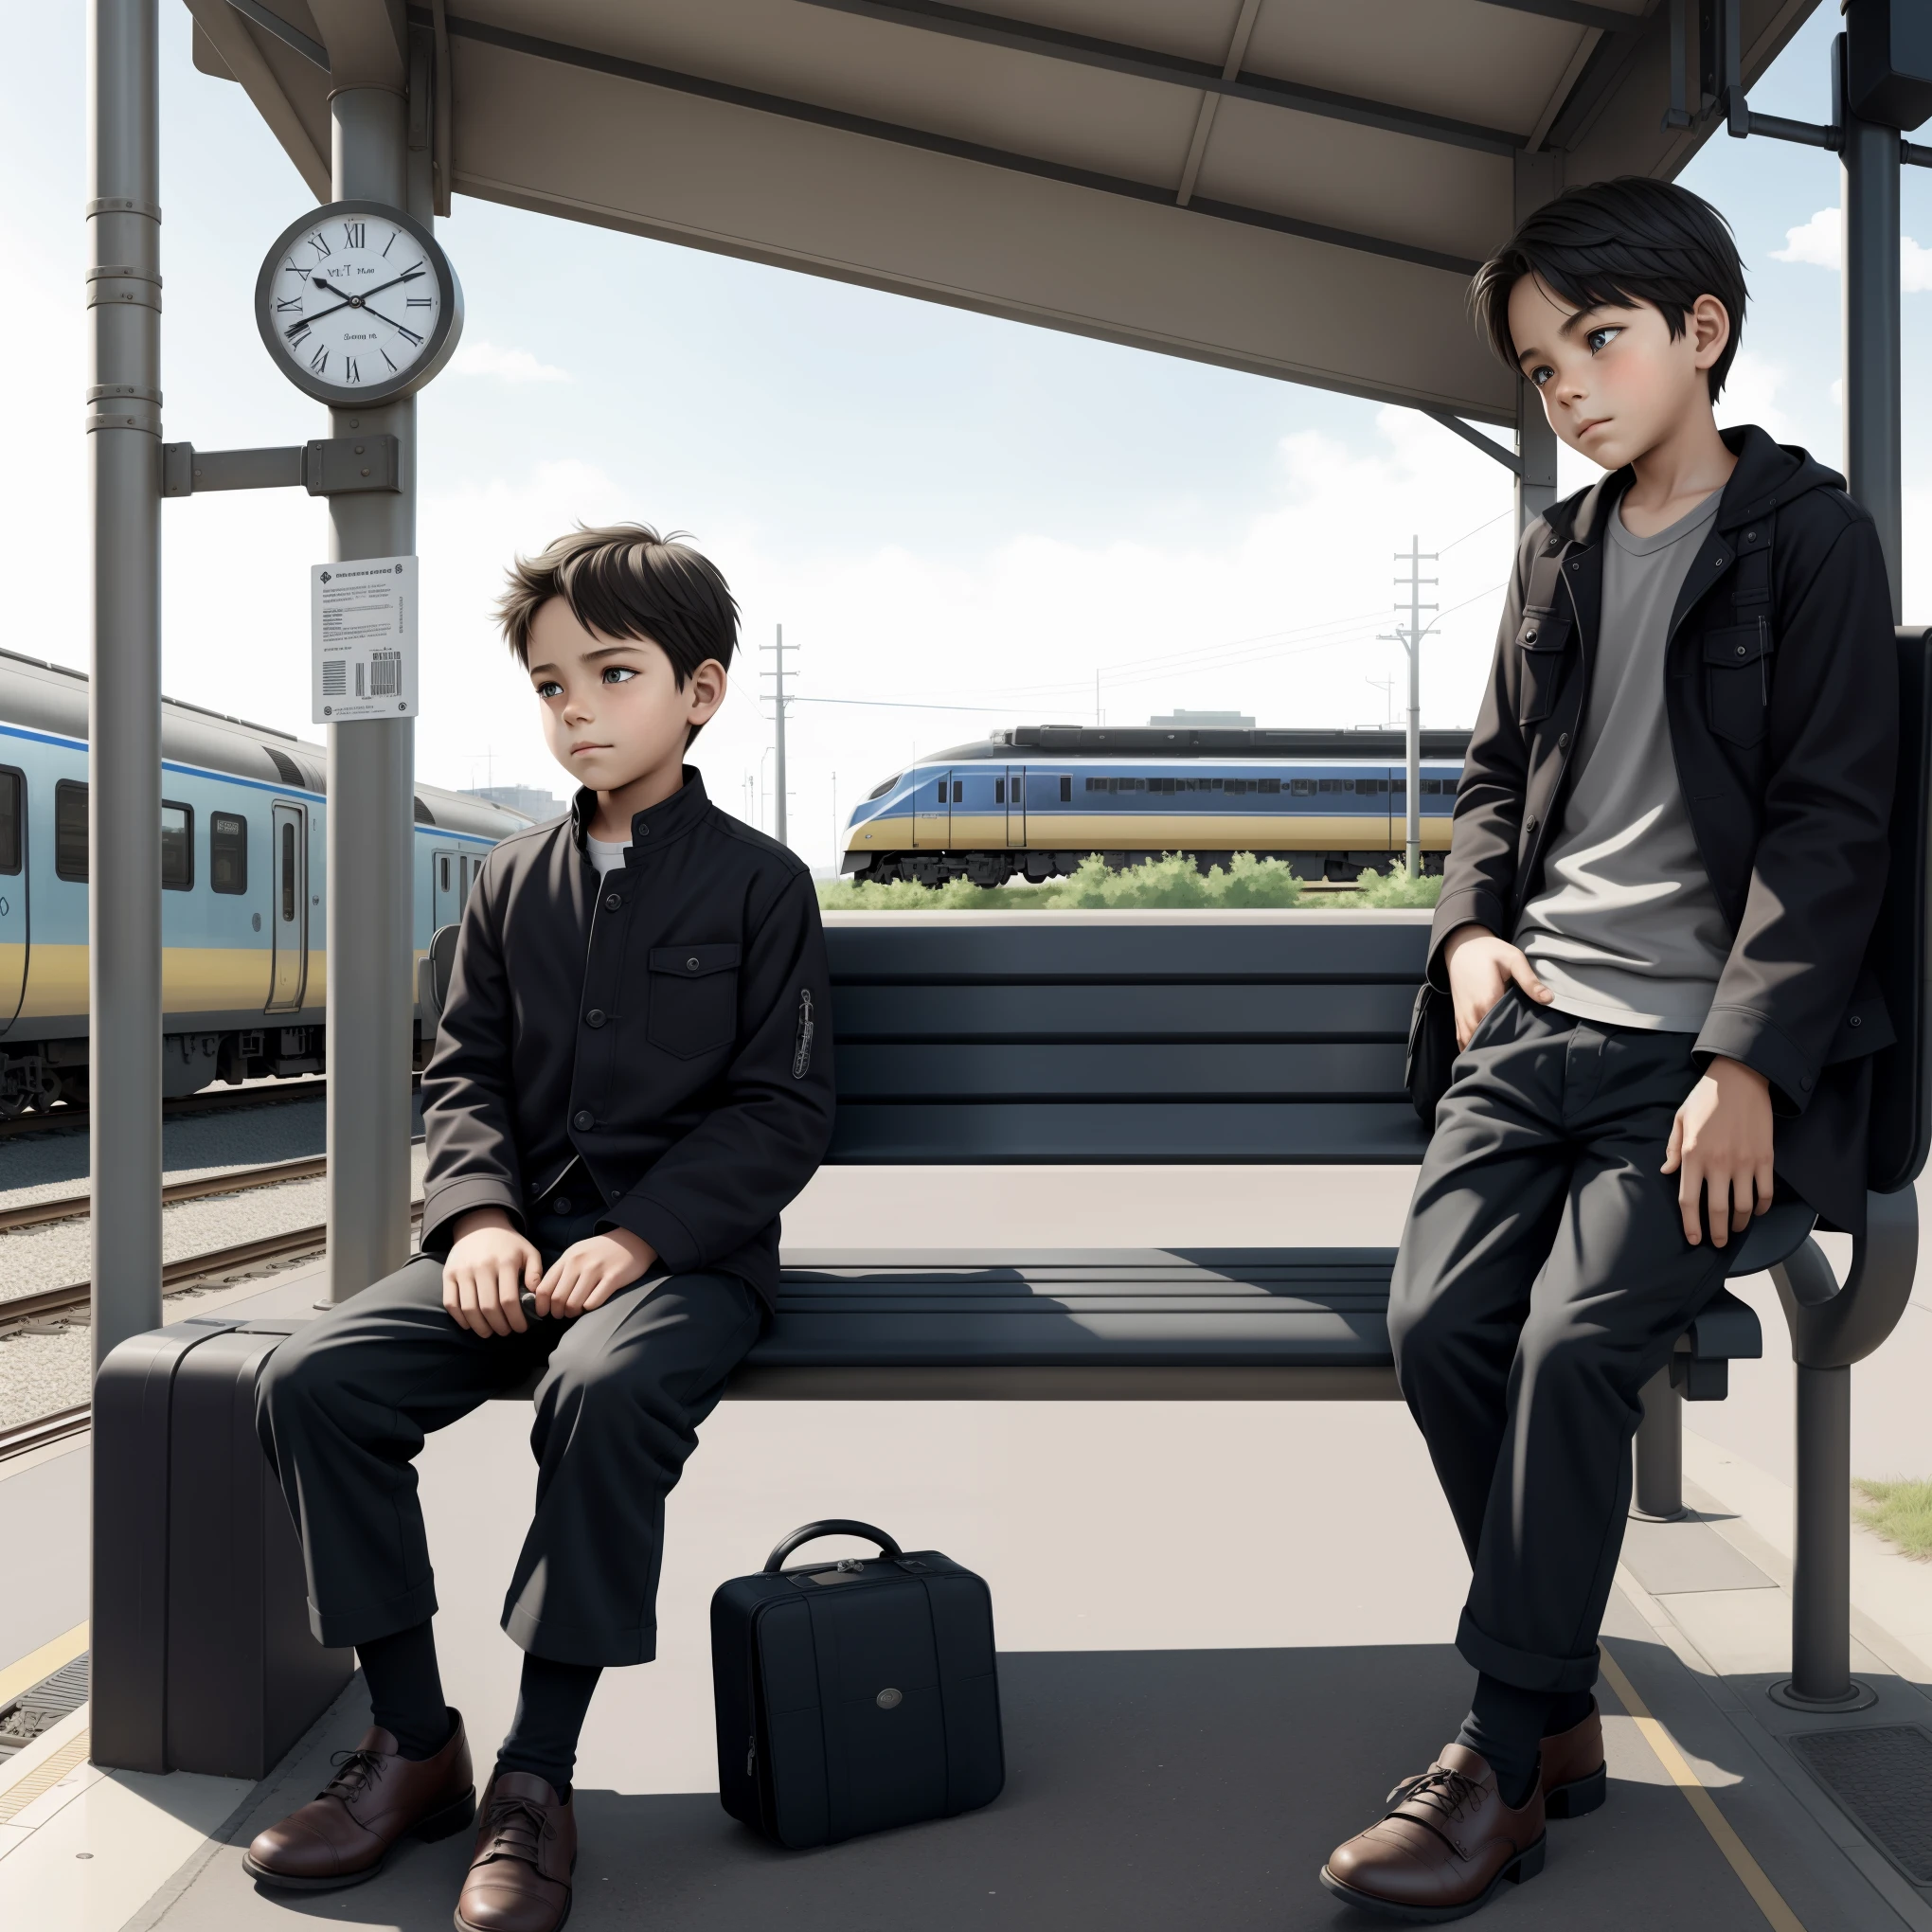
point(1900, 1512)
point(1170, 881)
point(1398, 888)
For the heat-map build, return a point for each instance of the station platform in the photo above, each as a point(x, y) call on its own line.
point(1223, 1629)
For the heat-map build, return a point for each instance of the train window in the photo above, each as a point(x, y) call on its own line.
point(12, 819)
point(227, 851)
point(288, 869)
point(443, 879)
point(1338, 785)
point(70, 830)
point(1067, 791)
point(958, 790)
point(177, 847)
point(999, 791)
point(1302, 788)
point(1271, 785)
point(879, 791)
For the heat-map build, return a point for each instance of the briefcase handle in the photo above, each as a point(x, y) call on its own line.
point(835, 1525)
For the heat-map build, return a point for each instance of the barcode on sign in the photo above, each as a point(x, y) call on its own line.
point(335, 679)
point(386, 673)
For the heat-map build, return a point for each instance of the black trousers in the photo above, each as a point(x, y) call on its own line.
point(1543, 1278)
point(343, 1407)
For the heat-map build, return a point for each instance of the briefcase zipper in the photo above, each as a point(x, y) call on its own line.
point(751, 1756)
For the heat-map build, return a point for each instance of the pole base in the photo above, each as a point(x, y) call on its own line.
point(1679, 1514)
point(1860, 1697)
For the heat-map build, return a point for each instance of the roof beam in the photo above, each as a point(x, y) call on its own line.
point(1116, 57)
point(1605, 19)
point(760, 102)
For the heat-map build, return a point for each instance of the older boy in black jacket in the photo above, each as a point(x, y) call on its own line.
point(632, 1079)
point(1670, 846)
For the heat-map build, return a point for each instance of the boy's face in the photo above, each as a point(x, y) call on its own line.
point(612, 708)
point(1614, 383)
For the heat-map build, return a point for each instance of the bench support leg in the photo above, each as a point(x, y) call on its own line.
point(1659, 1490)
point(1821, 1675)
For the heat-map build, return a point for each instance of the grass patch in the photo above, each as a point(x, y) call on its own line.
point(1900, 1512)
point(1170, 882)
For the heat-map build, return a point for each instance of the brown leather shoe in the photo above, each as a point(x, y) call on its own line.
point(526, 1847)
point(376, 1797)
point(1574, 1778)
point(1448, 1845)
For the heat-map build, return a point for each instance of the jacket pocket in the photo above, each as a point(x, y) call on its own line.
point(693, 1001)
point(1737, 680)
point(1543, 638)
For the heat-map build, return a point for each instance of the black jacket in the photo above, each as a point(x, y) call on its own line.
point(1782, 700)
point(668, 1029)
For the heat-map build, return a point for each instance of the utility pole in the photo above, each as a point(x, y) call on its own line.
point(779, 706)
point(836, 854)
point(1410, 636)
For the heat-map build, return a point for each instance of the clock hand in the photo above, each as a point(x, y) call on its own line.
point(357, 301)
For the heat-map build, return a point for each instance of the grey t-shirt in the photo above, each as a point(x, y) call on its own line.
point(1626, 928)
point(606, 854)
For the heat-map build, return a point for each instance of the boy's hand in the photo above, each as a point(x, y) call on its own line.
point(587, 1274)
point(488, 1265)
point(1721, 1147)
point(1482, 969)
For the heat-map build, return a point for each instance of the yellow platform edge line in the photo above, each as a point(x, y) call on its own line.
point(1764, 1895)
point(43, 1662)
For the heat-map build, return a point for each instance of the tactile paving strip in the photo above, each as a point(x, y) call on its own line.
point(1882, 1776)
point(42, 1708)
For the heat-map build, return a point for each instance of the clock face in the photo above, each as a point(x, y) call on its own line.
point(358, 304)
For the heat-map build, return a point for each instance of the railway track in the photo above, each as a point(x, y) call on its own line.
point(75, 1207)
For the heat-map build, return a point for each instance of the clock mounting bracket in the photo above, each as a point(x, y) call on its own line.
point(326, 466)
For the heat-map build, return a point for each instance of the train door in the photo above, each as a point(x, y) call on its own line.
point(289, 909)
point(1015, 807)
point(932, 812)
point(12, 892)
point(446, 882)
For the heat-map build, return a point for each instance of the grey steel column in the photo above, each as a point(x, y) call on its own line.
point(1659, 1487)
point(124, 694)
point(371, 815)
point(1870, 171)
point(778, 774)
point(1536, 451)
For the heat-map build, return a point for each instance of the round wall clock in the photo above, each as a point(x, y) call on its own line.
point(358, 304)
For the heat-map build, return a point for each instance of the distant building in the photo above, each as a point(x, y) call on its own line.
point(533, 804)
point(1182, 721)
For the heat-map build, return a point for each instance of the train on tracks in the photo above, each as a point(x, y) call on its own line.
point(243, 845)
point(1035, 800)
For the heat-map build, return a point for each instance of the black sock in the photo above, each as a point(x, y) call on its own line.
point(550, 1704)
point(1506, 1726)
point(1566, 1709)
point(406, 1690)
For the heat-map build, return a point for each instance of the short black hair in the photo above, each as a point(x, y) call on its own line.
point(625, 581)
point(1628, 240)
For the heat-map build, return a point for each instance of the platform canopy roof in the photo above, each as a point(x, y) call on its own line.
point(1296, 187)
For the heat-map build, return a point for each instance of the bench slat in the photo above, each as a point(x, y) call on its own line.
point(937, 1071)
point(1175, 1133)
point(864, 1010)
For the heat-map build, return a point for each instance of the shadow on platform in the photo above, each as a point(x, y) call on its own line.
point(1146, 1791)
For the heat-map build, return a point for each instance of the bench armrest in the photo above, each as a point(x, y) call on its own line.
point(1833, 1327)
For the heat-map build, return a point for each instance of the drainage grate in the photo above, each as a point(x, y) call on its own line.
point(1883, 1778)
point(41, 1709)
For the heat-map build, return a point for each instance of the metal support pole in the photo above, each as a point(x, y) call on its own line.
point(778, 775)
point(1659, 1486)
point(1536, 452)
point(1821, 1565)
point(1413, 751)
point(1871, 169)
point(371, 812)
point(124, 694)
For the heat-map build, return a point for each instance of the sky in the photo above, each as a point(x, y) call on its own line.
point(943, 510)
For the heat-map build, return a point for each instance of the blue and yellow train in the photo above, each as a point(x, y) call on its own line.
point(1034, 801)
point(242, 843)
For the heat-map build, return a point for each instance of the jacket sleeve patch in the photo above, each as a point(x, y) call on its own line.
point(801, 1049)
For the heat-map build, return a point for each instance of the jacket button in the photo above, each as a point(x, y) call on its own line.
point(594, 1017)
point(1855, 1021)
point(561, 1204)
point(1562, 741)
point(1576, 564)
point(612, 901)
point(1741, 650)
point(1529, 825)
point(1750, 536)
point(643, 831)
point(1530, 633)
point(583, 1119)
point(691, 964)
point(1804, 1081)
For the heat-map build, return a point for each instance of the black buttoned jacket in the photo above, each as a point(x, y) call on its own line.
point(1782, 696)
point(660, 1040)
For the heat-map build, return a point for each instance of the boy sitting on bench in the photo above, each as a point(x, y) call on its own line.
point(1669, 850)
point(632, 1079)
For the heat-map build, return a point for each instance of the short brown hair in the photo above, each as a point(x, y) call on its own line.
point(625, 581)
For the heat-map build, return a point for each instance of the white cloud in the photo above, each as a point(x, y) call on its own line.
point(507, 364)
point(1751, 395)
point(1819, 243)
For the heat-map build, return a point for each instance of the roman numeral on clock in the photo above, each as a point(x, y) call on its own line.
point(320, 246)
point(355, 374)
point(409, 335)
point(284, 305)
point(353, 234)
point(319, 361)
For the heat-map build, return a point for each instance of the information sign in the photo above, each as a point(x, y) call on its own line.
point(363, 638)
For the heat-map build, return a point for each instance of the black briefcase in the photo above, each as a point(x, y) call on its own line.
point(854, 1696)
point(201, 1655)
